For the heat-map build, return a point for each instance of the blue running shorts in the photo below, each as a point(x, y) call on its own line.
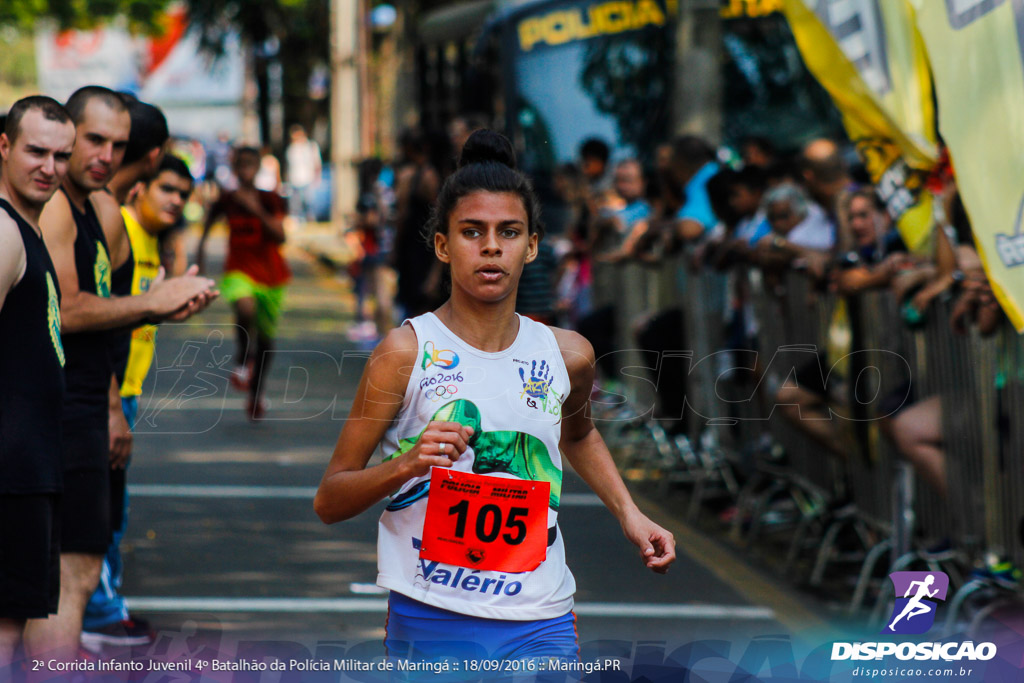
point(475, 648)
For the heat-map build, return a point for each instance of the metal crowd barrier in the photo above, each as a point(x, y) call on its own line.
point(1008, 470)
point(980, 383)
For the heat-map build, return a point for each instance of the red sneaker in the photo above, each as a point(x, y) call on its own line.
point(256, 410)
point(241, 377)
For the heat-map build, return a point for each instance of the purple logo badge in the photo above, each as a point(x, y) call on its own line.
point(917, 596)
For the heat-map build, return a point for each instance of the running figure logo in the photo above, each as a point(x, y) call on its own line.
point(914, 612)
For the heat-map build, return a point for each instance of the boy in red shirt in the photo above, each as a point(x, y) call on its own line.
point(254, 272)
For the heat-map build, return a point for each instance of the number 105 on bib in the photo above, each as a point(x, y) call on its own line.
point(485, 522)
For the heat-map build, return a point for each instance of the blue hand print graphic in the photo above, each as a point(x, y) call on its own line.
point(539, 383)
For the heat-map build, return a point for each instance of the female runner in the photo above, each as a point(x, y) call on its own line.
point(470, 408)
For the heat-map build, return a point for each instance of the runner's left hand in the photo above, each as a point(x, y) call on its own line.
point(657, 545)
point(120, 439)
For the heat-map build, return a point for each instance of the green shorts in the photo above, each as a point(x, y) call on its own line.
point(269, 300)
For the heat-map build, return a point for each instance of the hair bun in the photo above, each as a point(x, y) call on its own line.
point(486, 145)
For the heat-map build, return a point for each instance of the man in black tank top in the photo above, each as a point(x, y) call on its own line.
point(35, 148)
point(107, 621)
point(80, 256)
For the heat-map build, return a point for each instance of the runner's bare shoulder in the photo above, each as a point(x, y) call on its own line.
point(393, 360)
point(577, 352)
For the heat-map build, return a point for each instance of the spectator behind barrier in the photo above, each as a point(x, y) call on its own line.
point(758, 152)
point(367, 272)
point(623, 226)
point(872, 251)
point(460, 128)
point(875, 255)
point(719, 188)
point(915, 426)
point(745, 194)
point(745, 198)
point(801, 232)
point(594, 155)
point(304, 170)
point(416, 184)
point(666, 196)
point(691, 167)
point(824, 174)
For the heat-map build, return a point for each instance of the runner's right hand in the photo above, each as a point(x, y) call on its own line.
point(440, 445)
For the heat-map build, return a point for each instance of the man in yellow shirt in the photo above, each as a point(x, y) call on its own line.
point(156, 208)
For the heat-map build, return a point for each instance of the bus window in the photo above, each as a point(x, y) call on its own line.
point(768, 91)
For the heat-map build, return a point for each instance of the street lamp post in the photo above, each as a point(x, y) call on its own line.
point(698, 80)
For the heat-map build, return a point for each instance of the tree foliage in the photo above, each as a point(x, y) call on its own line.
point(298, 29)
point(289, 21)
point(294, 32)
point(629, 78)
point(141, 14)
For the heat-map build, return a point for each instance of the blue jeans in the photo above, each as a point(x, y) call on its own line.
point(302, 202)
point(107, 606)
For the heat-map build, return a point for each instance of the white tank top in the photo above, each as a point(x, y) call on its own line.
point(513, 400)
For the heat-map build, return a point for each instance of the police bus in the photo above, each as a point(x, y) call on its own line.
point(551, 73)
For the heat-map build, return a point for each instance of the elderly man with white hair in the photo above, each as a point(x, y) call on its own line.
point(800, 229)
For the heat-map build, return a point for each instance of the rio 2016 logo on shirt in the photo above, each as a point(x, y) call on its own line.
point(443, 358)
point(440, 386)
point(53, 318)
point(917, 594)
point(441, 392)
point(101, 271)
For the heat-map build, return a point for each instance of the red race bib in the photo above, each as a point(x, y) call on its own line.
point(483, 522)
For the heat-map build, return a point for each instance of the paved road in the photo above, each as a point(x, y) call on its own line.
point(223, 540)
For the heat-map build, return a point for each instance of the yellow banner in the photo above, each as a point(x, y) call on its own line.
point(869, 57)
point(976, 50)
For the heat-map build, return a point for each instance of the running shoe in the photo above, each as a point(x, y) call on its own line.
point(255, 410)
point(1000, 571)
point(241, 377)
point(361, 332)
point(131, 631)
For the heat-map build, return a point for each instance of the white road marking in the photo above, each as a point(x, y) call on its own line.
point(581, 500)
point(283, 492)
point(372, 605)
point(678, 611)
point(213, 491)
point(317, 405)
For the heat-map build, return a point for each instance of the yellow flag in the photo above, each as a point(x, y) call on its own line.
point(869, 57)
point(976, 49)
